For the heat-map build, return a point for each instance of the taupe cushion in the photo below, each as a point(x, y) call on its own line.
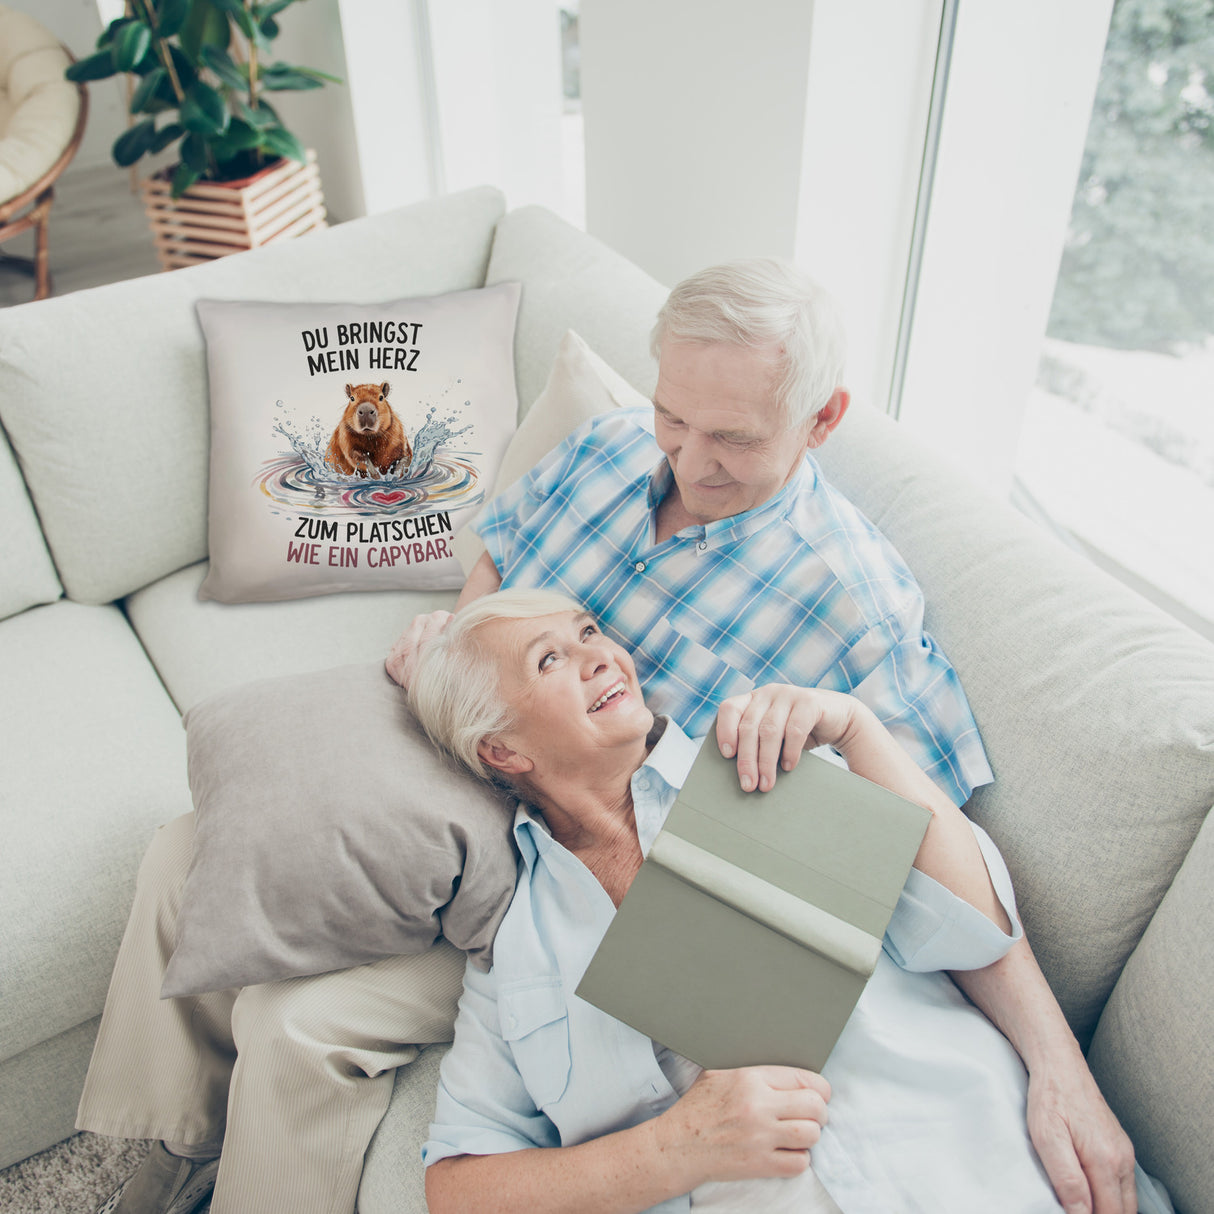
point(329, 833)
point(120, 479)
point(1096, 709)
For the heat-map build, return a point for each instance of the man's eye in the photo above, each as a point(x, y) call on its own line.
point(547, 660)
point(590, 630)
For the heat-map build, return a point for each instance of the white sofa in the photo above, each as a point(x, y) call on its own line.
point(1097, 711)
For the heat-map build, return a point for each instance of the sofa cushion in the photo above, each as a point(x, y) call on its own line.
point(27, 574)
point(350, 443)
point(580, 386)
point(572, 281)
point(93, 760)
point(120, 480)
point(1096, 709)
point(329, 833)
point(200, 648)
point(1152, 1054)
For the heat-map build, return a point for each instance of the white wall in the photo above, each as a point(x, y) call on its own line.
point(694, 127)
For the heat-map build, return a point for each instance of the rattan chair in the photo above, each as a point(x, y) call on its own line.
point(42, 117)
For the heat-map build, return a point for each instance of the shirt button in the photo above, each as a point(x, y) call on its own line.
point(702, 545)
point(639, 566)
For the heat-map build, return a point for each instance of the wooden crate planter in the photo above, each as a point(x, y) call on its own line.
point(215, 218)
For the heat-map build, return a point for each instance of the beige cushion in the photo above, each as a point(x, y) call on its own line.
point(580, 386)
point(38, 107)
point(1096, 709)
point(571, 281)
point(120, 481)
point(1153, 1053)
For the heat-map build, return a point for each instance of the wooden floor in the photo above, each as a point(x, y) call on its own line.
point(98, 234)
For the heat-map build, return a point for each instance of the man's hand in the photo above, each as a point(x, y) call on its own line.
point(1087, 1155)
point(770, 727)
point(400, 662)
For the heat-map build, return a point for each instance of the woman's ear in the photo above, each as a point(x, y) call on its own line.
point(494, 753)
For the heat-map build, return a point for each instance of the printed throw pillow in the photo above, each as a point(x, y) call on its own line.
point(330, 832)
point(351, 443)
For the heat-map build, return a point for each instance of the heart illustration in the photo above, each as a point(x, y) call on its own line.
point(388, 497)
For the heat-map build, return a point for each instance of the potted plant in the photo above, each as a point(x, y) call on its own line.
point(201, 71)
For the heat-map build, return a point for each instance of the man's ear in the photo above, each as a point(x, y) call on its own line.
point(829, 416)
point(495, 754)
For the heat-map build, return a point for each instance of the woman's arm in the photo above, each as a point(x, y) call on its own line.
point(730, 1125)
point(769, 728)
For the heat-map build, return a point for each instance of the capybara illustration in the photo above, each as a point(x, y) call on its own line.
point(369, 439)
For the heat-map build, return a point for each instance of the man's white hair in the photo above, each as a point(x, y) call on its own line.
point(454, 691)
point(763, 303)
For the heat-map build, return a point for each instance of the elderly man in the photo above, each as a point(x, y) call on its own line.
point(704, 538)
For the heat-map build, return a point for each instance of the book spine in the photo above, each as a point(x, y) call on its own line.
point(802, 922)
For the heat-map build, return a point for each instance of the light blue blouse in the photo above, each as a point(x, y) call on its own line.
point(928, 1104)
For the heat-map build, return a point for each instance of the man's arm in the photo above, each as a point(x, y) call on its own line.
point(1087, 1155)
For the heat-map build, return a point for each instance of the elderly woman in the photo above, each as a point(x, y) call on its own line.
point(547, 1103)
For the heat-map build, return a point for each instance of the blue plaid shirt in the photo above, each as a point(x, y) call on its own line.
point(802, 589)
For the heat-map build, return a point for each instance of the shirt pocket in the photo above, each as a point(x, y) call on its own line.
point(682, 671)
point(535, 1024)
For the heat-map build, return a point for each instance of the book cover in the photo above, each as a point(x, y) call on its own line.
point(755, 921)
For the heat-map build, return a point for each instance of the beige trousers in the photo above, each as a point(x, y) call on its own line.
point(293, 1076)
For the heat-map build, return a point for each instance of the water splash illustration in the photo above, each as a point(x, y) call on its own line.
point(436, 477)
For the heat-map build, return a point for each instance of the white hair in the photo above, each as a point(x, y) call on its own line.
point(454, 691)
point(763, 303)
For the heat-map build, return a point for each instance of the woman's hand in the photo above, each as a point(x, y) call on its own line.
point(770, 727)
point(750, 1122)
point(401, 661)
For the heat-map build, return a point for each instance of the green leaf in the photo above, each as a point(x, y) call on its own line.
point(261, 118)
point(203, 111)
point(183, 178)
point(106, 38)
point(194, 153)
point(241, 137)
point(144, 97)
point(166, 135)
point(269, 30)
point(171, 16)
point(225, 67)
point(279, 77)
point(281, 142)
point(317, 74)
point(95, 67)
point(187, 73)
point(131, 44)
point(205, 26)
point(132, 144)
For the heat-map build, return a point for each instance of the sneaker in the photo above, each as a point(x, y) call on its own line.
point(164, 1184)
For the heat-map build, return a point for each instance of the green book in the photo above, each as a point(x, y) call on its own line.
point(755, 921)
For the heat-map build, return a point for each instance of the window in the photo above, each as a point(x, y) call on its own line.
point(1117, 443)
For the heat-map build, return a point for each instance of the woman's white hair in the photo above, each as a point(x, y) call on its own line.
point(763, 303)
point(454, 691)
